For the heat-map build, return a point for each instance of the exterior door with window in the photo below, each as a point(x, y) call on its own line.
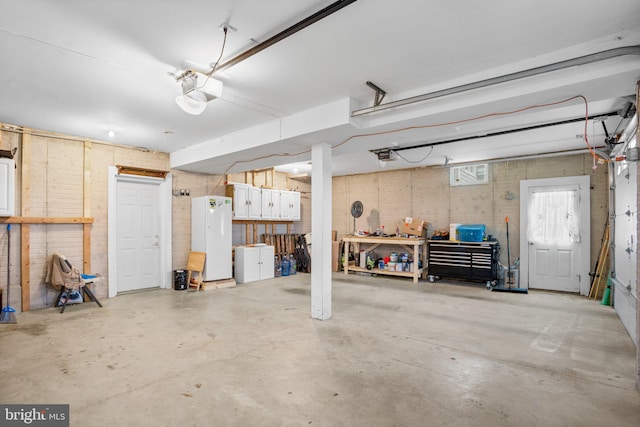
point(556, 235)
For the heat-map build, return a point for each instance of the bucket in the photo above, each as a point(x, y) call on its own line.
point(393, 257)
point(179, 280)
point(363, 259)
point(515, 277)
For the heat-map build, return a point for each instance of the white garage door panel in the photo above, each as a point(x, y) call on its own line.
point(625, 248)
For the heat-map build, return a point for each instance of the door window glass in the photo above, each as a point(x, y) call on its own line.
point(554, 216)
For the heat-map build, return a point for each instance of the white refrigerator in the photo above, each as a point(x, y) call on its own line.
point(211, 233)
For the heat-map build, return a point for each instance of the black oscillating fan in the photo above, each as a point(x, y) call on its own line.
point(356, 212)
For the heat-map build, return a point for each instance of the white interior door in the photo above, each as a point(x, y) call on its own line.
point(555, 239)
point(137, 236)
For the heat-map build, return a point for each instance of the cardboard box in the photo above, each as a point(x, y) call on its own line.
point(414, 227)
point(453, 231)
point(335, 255)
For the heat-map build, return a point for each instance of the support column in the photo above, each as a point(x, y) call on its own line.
point(321, 232)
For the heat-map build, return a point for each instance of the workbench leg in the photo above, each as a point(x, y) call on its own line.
point(416, 270)
point(424, 261)
point(345, 262)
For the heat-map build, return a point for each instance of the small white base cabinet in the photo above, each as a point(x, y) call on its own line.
point(254, 263)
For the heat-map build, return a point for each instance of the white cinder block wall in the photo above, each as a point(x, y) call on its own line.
point(198, 185)
point(424, 193)
point(57, 170)
point(56, 175)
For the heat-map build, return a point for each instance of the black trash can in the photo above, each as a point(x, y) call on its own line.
point(179, 280)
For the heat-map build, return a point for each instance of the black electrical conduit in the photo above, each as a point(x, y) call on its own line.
point(499, 133)
point(582, 60)
point(312, 19)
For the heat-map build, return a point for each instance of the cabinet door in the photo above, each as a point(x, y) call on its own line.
point(247, 264)
point(270, 204)
point(275, 204)
point(285, 205)
point(7, 178)
point(266, 204)
point(255, 203)
point(240, 202)
point(295, 206)
point(267, 256)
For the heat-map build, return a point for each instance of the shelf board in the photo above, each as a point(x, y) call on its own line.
point(387, 272)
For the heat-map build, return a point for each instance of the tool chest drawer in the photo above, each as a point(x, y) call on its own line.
point(463, 260)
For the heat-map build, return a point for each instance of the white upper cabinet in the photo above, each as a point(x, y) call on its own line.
point(246, 201)
point(7, 189)
point(255, 203)
point(289, 205)
point(295, 215)
point(285, 205)
point(267, 204)
point(240, 201)
point(270, 204)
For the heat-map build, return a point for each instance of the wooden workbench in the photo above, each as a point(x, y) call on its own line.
point(411, 245)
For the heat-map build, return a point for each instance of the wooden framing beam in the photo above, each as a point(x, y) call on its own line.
point(45, 220)
point(132, 170)
point(86, 209)
point(25, 266)
point(25, 209)
point(259, 221)
point(252, 227)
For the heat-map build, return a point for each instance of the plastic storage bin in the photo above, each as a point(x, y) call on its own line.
point(471, 232)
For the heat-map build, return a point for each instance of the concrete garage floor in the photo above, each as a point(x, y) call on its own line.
point(394, 354)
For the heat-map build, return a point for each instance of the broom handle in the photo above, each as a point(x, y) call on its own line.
point(8, 261)
point(508, 247)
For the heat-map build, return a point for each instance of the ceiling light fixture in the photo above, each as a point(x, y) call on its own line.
point(111, 133)
point(194, 97)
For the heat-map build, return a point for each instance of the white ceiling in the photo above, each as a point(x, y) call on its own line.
point(82, 68)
